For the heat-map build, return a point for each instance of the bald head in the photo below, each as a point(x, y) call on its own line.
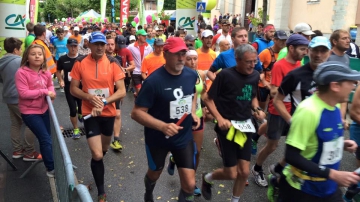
point(224, 45)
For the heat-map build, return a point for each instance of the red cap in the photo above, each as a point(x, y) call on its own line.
point(174, 45)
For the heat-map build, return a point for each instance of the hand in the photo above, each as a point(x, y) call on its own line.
point(344, 178)
point(196, 119)
point(61, 83)
point(170, 129)
point(259, 115)
point(96, 101)
point(52, 95)
point(224, 124)
point(350, 146)
point(345, 124)
point(96, 111)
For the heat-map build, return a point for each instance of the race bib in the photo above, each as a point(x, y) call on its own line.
point(100, 92)
point(332, 151)
point(198, 103)
point(244, 126)
point(181, 105)
point(69, 77)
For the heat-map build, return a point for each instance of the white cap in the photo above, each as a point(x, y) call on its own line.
point(76, 29)
point(207, 33)
point(86, 36)
point(66, 28)
point(303, 28)
point(132, 37)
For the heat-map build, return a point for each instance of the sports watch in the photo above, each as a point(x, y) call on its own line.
point(104, 101)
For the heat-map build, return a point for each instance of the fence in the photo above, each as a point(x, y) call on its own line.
point(68, 190)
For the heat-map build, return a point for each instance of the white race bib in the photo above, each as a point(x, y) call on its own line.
point(181, 105)
point(100, 92)
point(69, 77)
point(332, 151)
point(244, 126)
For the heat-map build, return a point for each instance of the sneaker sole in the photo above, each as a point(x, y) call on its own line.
point(252, 172)
point(28, 159)
point(17, 156)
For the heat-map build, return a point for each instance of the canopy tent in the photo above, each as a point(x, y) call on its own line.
point(90, 14)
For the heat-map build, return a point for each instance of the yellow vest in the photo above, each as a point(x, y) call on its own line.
point(51, 65)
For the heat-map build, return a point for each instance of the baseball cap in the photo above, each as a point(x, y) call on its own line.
point(225, 22)
point(97, 37)
point(280, 34)
point(297, 39)
point(159, 42)
point(121, 41)
point(132, 37)
point(76, 29)
point(124, 26)
point(174, 45)
point(320, 41)
point(207, 33)
point(43, 23)
point(141, 32)
point(66, 28)
point(72, 42)
point(189, 37)
point(303, 28)
point(332, 71)
point(86, 37)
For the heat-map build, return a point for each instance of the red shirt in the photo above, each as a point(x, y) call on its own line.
point(126, 56)
point(280, 69)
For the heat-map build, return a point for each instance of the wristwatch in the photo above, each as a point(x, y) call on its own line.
point(104, 101)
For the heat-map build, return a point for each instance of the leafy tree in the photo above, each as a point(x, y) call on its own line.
point(255, 21)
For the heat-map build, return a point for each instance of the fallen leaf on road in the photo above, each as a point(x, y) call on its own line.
point(221, 185)
point(158, 198)
point(219, 192)
point(111, 169)
point(119, 185)
point(109, 185)
point(131, 162)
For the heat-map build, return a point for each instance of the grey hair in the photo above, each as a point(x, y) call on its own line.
point(242, 49)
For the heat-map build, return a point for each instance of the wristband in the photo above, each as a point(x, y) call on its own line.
point(104, 101)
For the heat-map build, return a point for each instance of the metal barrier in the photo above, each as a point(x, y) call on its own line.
point(66, 187)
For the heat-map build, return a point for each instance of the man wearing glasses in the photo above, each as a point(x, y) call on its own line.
point(160, 33)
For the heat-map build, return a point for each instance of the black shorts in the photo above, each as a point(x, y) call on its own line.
point(263, 94)
point(99, 125)
point(289, 193)
point(276, 127)
point(137, 79)
point(201, 127)
point(231, 152)
point(184, 158)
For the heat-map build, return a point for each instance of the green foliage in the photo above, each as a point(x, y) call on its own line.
point(163, 16)
point(255, 21)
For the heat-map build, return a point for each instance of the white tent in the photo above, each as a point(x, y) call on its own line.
point(90, 14)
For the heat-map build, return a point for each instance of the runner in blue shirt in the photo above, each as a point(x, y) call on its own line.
point(60, 44)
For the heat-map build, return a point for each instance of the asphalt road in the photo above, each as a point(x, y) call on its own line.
point(124, 172)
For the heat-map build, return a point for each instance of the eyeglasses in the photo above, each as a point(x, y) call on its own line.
point(250, 62)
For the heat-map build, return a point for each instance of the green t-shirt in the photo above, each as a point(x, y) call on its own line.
point(316, 129)
point(282, 54)
point(198, 43)
point(29, 39)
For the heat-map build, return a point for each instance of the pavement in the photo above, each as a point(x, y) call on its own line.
point(124, 171)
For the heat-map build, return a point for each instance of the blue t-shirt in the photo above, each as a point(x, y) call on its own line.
point(167, 101)
point(150, 42)
point(226, 59)
point(60, 47)
point(52, 39)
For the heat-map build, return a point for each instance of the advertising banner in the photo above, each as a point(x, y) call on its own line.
point(124, 11)
point(186, 15)
point(112, 11)
point(102, 8)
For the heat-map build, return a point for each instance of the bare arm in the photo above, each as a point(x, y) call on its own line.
point(211, 75)
point(77, 92)
point(120, 92)
point(131, 67)
point(280, 107)
point(211, 107)
point(273, 90)
point(60, 79)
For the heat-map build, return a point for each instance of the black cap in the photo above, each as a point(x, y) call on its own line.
point(280, 34)
point(334, 71)
point(121, 41)
point(190, 37)
point(72, 42)
point(159, 42)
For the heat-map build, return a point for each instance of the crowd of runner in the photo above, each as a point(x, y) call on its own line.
point(180, 82)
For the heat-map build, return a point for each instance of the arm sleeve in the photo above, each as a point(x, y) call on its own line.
point(276, 74)
point(129, 56)
point(216, 65)
point(288, 84)
point(146, 97)
point(118, 72)
point(294, 158)
point(255, 45)
point(144, 66)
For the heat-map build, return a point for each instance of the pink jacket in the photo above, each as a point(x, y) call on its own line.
point(33, 87)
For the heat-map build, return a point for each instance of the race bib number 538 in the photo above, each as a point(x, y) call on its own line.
point(181, 105)
point(332, 151)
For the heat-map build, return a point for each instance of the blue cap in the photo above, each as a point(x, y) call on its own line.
point(97, 37)
point(297, 39)
point(43, 23)
point(320, 41)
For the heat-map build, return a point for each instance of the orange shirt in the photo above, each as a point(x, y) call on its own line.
point(151, 63)
point(50, 63)
point(97, 78)
point(205, 60)
point(265, 58)
point(78, 38)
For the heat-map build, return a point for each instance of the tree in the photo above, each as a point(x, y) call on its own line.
point(265, 10)
point(256, 20)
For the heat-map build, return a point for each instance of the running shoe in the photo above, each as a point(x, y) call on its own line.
point(216, 142)
point(80, 118)
point(148, 197)
point(102, 198)
point(50, 173)
point(273, 191)
point(116, 145)
point(206, 188)
point(259, 177)
point(197, 191)
point(272, 171)
point(18, 154)
point(76, 134)
point(32, 157)
point(171, 165)
point(253, 147)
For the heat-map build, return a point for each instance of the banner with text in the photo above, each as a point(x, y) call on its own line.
point(186, 15)
point(124, 11)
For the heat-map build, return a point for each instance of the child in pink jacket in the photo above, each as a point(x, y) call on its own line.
point(34, 83)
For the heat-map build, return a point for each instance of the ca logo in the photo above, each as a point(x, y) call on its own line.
point(15, 22)
point(187, 23)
